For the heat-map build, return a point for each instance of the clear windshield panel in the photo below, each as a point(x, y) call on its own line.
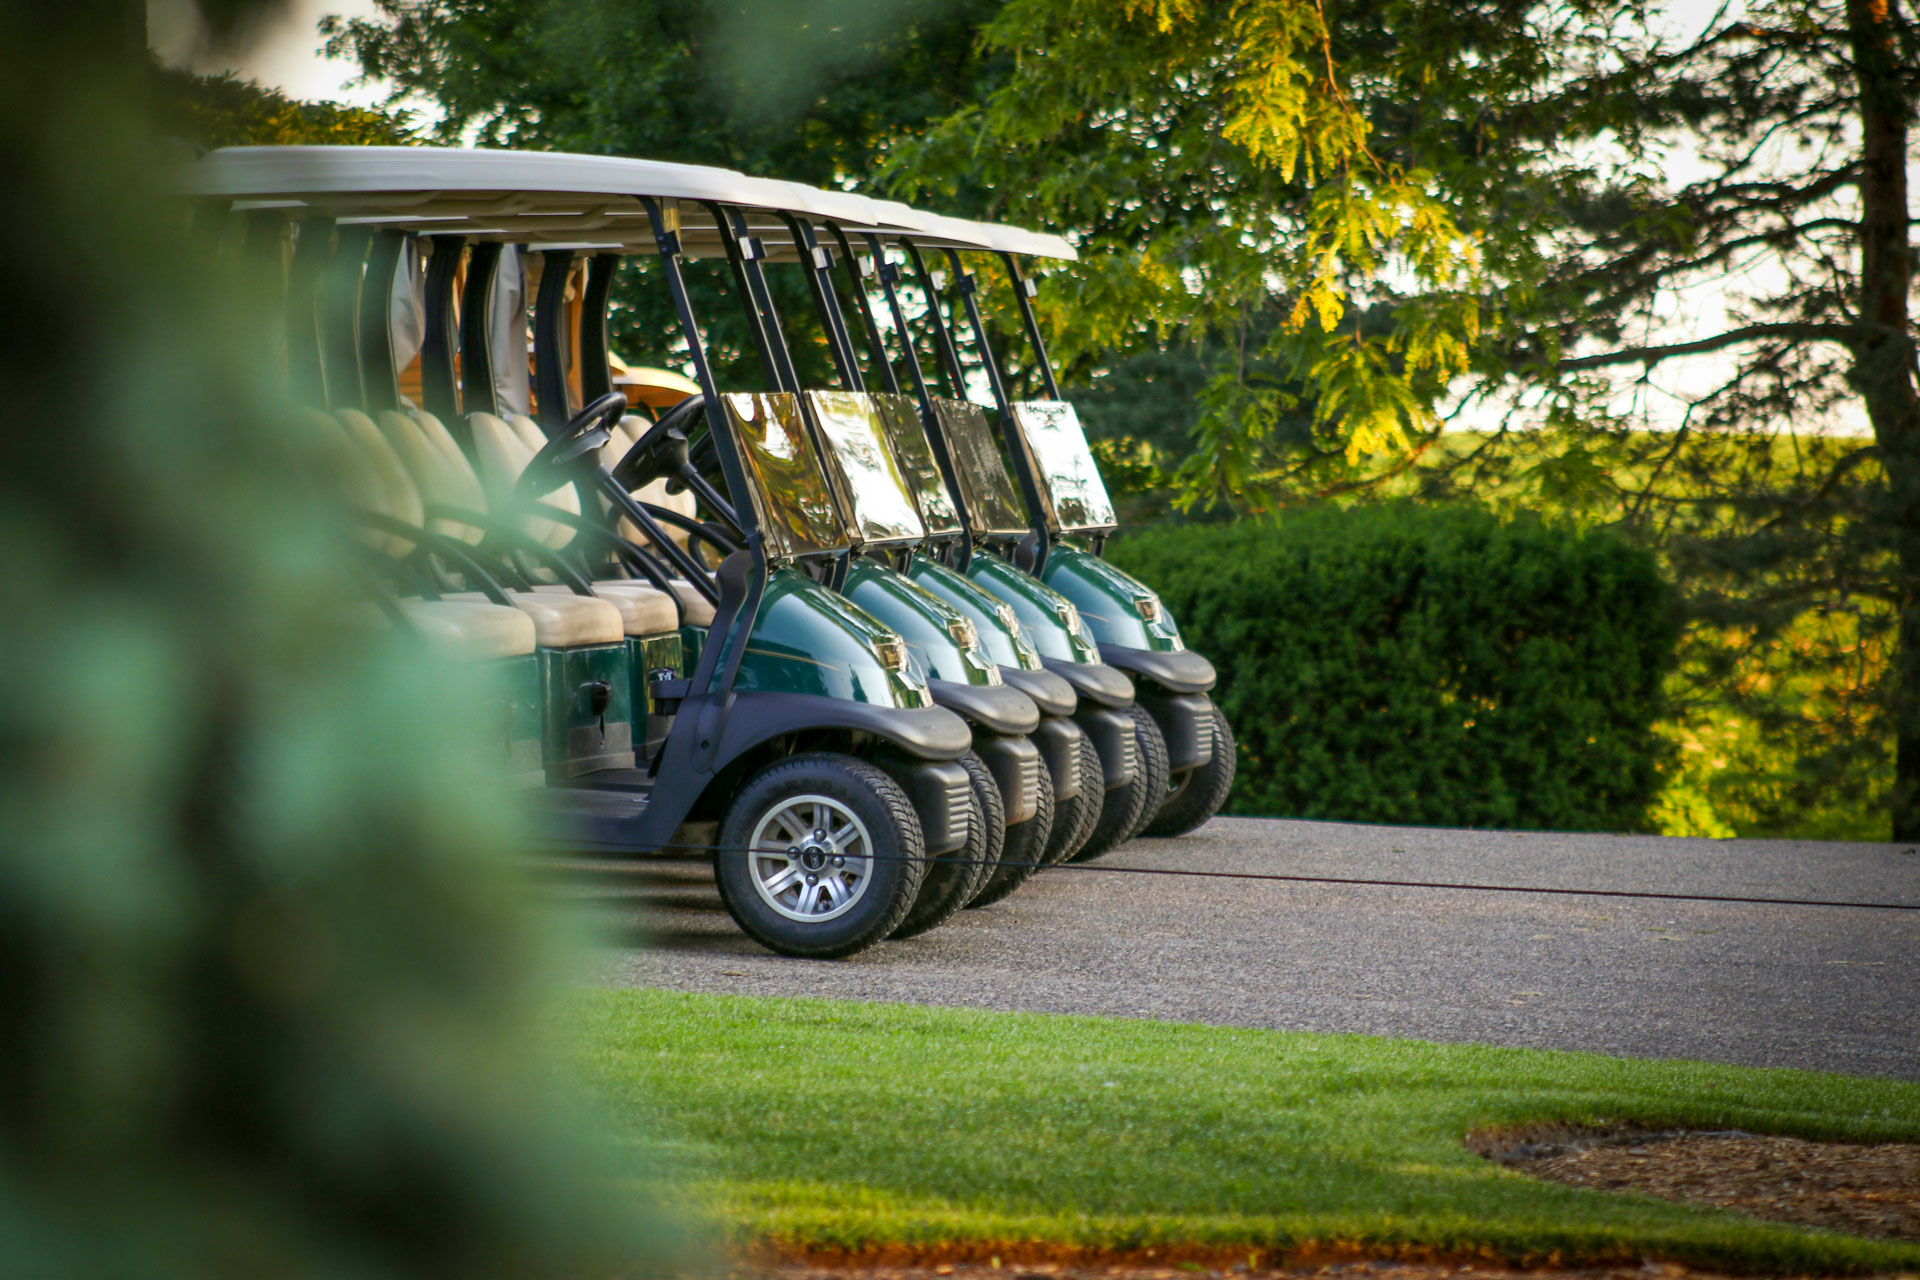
point(790, 494)
point(984, 481)
point(911, 450)
point(1067, 471)
point(880, 501)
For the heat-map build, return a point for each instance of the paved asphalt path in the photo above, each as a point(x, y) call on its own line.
point(1824, 988)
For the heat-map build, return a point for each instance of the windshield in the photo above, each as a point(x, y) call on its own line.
point(911, 450)
point(880, 502)
point(984, 481)
point(1068, 476)
point(796, 509)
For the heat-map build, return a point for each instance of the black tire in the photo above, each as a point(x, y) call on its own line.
point(892, 872)
point(1073, 820)
point(1133, 806)
point(1026, 846)
point(953, 879)
point(1197, 794)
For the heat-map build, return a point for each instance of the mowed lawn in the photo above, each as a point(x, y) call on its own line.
point(836, 1125)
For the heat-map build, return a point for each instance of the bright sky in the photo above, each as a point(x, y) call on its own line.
point(285, 56)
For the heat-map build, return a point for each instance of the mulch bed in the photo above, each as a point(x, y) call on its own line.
point(1355, 1270)
point(1859, 1189)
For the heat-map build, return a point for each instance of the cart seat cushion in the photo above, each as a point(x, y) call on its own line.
point(471, 631)
point(697, 609)
point(647, 610)
point(564, 621)
point(402, 498)
point(503, 455)
point(440, 481)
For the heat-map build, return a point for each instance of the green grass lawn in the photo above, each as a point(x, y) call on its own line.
point(835, 1125)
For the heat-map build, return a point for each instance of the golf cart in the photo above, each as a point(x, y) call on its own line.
point(1069, 518)
point(797, 744)
point(980, 662)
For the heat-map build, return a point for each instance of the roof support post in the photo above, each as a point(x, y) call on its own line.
point(476, 330)
point(306, 363)
point(439, 385)
point(709, 675)
point(1024, 291)
point(340, 318)
point(889, 275)
point(818, 262)
point(379, 380)
point(858, 269)
point(596, 365)
point(555, 401)
point(1038, 540)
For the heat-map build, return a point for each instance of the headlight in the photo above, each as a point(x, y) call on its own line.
point(1149, 606)
point(961, 629)
point(1069, 617)
point(892, 651)
point(1008, 618)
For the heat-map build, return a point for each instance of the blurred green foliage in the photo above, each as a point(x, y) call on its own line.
point(1438, 666)
point(225, 111)
point(275, 1000)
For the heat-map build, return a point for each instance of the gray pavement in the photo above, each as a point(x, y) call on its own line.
point(1829, 989)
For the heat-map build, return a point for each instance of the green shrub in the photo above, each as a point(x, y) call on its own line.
point(1432, 665)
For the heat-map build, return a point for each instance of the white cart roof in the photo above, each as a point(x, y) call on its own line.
point(555, 199)
point(545, 199)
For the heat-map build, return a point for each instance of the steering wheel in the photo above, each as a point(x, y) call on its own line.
point(665, 443)
point(559, 457)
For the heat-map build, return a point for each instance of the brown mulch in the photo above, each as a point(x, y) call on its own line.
point(1865, 1190)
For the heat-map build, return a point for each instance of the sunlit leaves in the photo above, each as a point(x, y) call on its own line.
point(1209, 156)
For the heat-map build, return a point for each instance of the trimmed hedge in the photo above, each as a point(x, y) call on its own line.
point(1427, 665)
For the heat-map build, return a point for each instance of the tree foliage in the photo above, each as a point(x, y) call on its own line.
point(226, 111)
point(274, 997)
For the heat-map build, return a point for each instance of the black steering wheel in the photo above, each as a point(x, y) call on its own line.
point(559, 458)
point(662, 448)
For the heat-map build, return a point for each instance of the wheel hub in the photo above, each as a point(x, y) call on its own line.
point(810, 858)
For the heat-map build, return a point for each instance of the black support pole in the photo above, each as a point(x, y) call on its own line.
point(340, 318)
point(1024, 291)
point(476, 330)
point(942, 339)
point(739, 248)
point(818, 262)
point(439, 384)
point(596, 361)
point(378, 376)
point(857, 285)
point(550, 342)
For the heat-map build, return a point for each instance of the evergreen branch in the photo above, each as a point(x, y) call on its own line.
point(1845, 334)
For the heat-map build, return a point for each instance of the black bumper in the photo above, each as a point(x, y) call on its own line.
point(1182, 671)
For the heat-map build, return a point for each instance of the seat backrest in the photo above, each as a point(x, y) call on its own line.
point(441, 482)
point(401, 498)
point(503, 454)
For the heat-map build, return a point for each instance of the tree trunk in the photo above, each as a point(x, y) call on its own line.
point(1884, 356)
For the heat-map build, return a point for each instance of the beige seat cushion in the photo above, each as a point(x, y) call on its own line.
point(503, 455)
point(645, 609)
point(469, 630)
point(441, 480)
point(564, 621)
point(401, 497)
point(699, 613)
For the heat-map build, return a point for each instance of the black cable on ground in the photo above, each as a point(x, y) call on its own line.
point(1278, 878)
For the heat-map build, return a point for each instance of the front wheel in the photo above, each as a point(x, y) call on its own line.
point(1196, 794)
point(1024, 850)
point(1073, 820)
point(1130, 808)
point(821, 856)
point(954, 879)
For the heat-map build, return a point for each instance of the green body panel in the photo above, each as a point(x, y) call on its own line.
point(515, 681)
point(692, 640)
point(923, 620)
point(573, 738)
point(1040, 608)
point(1006, 645)
point(1109, 600)
point(808, 639)
point(650, 654)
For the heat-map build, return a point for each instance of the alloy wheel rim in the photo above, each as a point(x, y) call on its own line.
point(811, 858)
